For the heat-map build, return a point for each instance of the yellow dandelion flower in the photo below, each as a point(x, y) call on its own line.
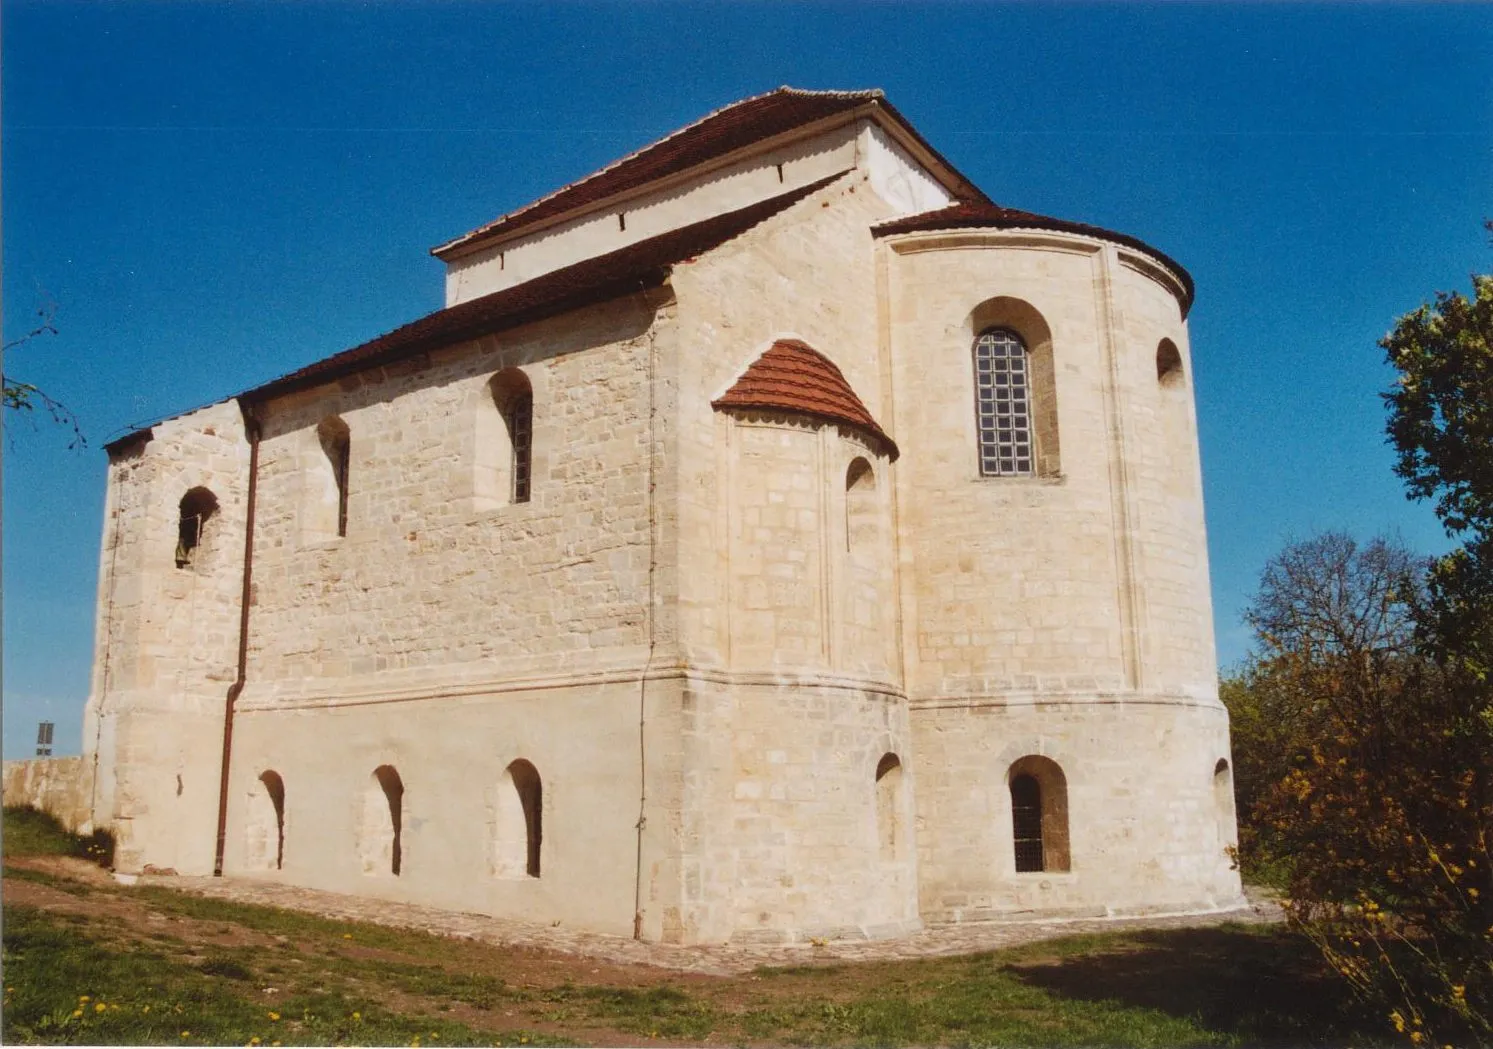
point(1459, 990)
point(146, 1009)
point(99, 1007)
point(83, 998)
point(1399, 1021)
point(274, 1016)
point(77, 1013)
point(186, 1034)
point(1417, 1037)
point(347, 936)
point(357, 1015)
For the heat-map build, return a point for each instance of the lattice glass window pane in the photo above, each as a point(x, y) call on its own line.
point(1026, 823)
point(521, 428)
point(1003, 404)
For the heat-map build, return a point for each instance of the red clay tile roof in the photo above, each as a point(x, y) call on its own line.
point(713, 135)
point(967, 214)
point(645, 264)
point(792, 376)
point(622, 272)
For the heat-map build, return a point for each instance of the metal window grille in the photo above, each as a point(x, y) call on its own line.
point(521, 430)
point(44, 739)
point(1026, 823)
point(341, 466)
point(1003, 404)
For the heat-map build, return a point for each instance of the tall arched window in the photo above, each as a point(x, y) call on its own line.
point(336, 442)
point(1039, 814)
point(860, 504)
point(1003, 404)
point(197, 508)
point(504, 433)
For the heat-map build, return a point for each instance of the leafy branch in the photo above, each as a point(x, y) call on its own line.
point(25, 397)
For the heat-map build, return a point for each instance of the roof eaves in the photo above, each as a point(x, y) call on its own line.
point(958, 216)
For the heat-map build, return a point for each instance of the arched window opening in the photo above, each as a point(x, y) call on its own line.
point(264, 826)
point(383, 822)
point(1003, 404)
point(1168, 364)
point(1223, 801)
point(197, 509)
point(274, 789)
point(889, 829)
point(520, 830)
point(1039, 815)
point(336, 442)
point(860, 505)
point(1026, 822)
point(513, 398)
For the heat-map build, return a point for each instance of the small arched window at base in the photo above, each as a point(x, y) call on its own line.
point(889, 830)
point(382, 838)
point(1039, 815)
point(520, 821)
point(197, 509)
point(1223, 802)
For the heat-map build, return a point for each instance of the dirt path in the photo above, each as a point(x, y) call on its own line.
point(719, 960)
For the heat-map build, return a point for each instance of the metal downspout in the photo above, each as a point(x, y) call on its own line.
point(252, 430)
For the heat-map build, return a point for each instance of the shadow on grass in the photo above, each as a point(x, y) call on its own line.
point(1259, 988)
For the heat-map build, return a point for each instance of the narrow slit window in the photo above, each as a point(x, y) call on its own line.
point(1003, 404)
point(521, 430)
point(336, 442)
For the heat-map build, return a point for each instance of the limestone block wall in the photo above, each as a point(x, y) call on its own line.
point(788, 837)
point(1164, 476)
point(1011, 582)
point(807, 273)
point(1146, 827)
point(426, 585)
point(1063, 614)
point(60, 786)
point(167, 640)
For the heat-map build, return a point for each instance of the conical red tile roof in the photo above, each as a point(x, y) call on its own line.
point(792, 376)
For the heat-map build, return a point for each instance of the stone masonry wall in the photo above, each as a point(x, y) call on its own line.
point(59, 786)
point(167, 643)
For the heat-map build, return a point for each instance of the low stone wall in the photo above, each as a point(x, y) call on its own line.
point(56, 785)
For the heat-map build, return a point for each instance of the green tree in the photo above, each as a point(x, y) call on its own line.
point(1385, 816)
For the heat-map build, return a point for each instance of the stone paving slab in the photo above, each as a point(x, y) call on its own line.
point(710, 959)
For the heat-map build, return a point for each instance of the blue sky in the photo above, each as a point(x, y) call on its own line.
point(215, 194)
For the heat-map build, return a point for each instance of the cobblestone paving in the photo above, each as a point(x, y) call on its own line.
point(721, 960)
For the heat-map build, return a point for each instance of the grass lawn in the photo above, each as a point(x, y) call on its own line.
point(87, 961)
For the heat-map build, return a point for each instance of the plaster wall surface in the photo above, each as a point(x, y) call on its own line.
point(694, 197)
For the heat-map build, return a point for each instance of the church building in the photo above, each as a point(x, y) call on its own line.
point(772, 538)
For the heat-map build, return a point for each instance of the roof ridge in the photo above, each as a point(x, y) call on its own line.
point(785, 90)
